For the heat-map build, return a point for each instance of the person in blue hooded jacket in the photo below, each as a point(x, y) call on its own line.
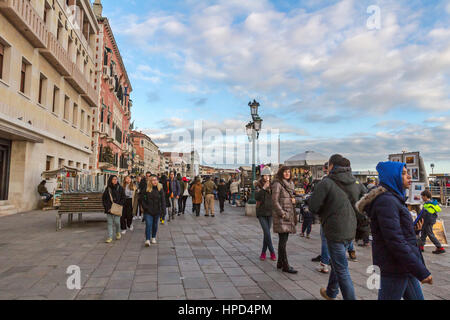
point(394, 248)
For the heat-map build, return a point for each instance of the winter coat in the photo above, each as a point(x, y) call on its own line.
point(222, 190)
point(154, 202)
point(197, 193)
point(42, 189)
point(333, 206)
point(282, 194)
point(174, 188)
point(264, 198)
point(394, 249)
point(234, 187)
point(209, 187)
point(118, 195)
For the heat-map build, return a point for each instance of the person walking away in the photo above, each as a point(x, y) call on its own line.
point(394, 247)
point(126, 220)
point(307, 221)
point(284, 216)
point(222, 194)
point(331, 203)
point(115, 191)
point(137, 210)
point(429, 214)
point(154, 205)
point(165, 183)
point(184, 195)
point(143, 187)
point(197, 196)
point(234, 190)
point(174, 194)
point(264, 208)
point(42, 190)
point(191, 193)
point(208, 190)
point(228, 190)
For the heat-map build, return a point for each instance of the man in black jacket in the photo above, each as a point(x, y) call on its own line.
point(331, 201)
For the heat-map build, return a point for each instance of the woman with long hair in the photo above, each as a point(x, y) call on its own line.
point(284, 217)
point(126, 221)
point(197, 195)
point(263, 198)
point(154, 205)
point(114, 192)
point(164, 182)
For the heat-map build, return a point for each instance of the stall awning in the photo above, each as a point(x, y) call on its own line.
point(308, 158)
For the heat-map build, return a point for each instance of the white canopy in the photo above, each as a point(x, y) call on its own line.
point(308, 158)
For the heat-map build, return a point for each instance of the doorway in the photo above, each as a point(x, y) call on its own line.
point(5, 158)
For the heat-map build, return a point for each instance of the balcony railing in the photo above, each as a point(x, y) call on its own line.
point(57, 56)
point(77, 79)
point(25, 18)
point(91, 96)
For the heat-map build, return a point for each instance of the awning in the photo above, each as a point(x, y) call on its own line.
point(309, 158)
point(53, 173)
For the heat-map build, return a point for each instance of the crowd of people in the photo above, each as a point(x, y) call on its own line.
point(348, 211)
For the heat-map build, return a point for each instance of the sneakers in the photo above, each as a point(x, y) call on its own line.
point(308, 236)
point(263, 257)
point(118, 236)
point(317, 259)
point(147, 243)
point(290, 270)
point(213, 216)
point(124, 231)
point(162, 221)
point(323, 293)
point(439, 251)
point(109, 240)
point(131, 228)
point(302, 235)
point(273, 257)
point(153, 240)
point(352, 256)
point(323, 268)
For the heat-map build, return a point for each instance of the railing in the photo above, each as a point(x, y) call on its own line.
point(77, 79)
point(27, 20)
point(84, 183)
point(92, 96)
point(57, 56)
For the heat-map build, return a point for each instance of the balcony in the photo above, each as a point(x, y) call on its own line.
point(77, 79)
point(57, 56)
point(91, 96)
point(25, 18)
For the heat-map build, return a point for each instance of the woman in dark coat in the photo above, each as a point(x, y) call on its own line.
point(115, 191)
point(154, 205)
point(222, 194)
point(263, 198)
point(394, 248)
point(164, 182)
point(284, 216)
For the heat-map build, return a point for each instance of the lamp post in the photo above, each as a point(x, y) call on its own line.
point(432, 168)
point(253, 128)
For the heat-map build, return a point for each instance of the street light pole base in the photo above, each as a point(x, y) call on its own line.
point(250, 210)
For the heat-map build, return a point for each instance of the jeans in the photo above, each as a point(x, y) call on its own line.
point(113, 221)
point(324, 255)
point(266, 224)
point(47, 196)
point(222, 203)
point(173, 202)
point(351, 247)
point(151, 226)
point(233, 197)
point(182, 204)
point(340, 275)
point(396, 288)
point(307, 226)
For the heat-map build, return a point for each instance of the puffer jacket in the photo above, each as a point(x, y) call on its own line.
point(333, 206)
point(264, 197)
point(394, 248)
point(118, 195)
point(154, 202)
point(234, 187)
point(282, 194)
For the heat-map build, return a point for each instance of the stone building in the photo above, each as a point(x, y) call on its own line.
point(48, 93)
point(147, 151)
point(112, 141)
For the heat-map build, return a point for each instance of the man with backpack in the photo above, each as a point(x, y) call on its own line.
point(333, 200)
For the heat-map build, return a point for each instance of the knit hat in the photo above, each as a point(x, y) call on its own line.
point(266, 172)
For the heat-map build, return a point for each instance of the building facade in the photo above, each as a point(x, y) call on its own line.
point(147, 151)
point(112, 137)
point(48, 92)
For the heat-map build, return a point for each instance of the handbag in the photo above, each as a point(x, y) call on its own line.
point(116, 209)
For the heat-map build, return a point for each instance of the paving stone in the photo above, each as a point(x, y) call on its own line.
point(195, 283)
point(170, 290)
point(143, 296)
point(144, 287)
point(195, 294)
point(96, 282)
point(115, 294)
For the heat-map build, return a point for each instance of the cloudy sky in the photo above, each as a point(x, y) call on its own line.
point(329, 75)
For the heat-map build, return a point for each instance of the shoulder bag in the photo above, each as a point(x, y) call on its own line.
point(116, 209)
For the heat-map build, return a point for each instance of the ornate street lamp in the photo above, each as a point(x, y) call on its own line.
point(253, 129)
point(254, 108)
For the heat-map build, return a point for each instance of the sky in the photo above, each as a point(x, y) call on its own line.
point(360, 78)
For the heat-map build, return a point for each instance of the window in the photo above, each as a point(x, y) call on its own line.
point(75, 114)
point(61, 163)
point(42, 89)
point(49, 163)
point(78, 165)
point(82, 120)
point(88, 128)
point(2, 54)
point(23, 75)
point(55, 105)
point(70, 163)
point(66, 108)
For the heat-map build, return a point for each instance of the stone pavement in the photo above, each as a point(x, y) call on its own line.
point(195, 258)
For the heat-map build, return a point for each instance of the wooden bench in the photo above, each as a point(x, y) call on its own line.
point(78, 203)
